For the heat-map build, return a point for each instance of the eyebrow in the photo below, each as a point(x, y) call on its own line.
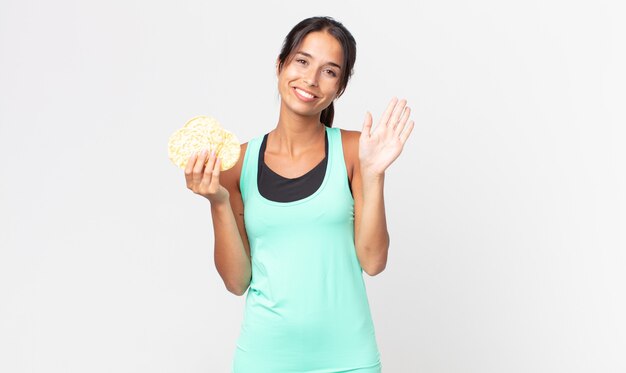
point(310, 56)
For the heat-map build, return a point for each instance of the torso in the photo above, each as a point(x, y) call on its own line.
point(306, 305)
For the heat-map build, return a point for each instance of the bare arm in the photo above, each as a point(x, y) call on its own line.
point(376, 151)
point(231, 251)
point(371, 237)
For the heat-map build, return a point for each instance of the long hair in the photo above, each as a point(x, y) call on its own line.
point(338, 31)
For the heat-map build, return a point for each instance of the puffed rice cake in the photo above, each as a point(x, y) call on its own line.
point(199, 133)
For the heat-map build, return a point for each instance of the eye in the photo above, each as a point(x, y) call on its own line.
point(331, 73)
point(301, 61)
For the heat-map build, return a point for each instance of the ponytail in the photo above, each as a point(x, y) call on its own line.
point(327, 115)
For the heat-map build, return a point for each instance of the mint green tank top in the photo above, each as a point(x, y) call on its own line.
point(306, 308)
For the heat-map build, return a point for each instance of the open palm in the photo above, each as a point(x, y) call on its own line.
point(380, 147)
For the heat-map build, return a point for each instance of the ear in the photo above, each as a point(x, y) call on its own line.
point(277, 62)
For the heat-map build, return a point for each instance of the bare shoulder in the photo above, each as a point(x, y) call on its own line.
point(350, 139)
point(350, 134)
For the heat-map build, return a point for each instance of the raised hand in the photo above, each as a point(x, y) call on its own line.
point(202, 175)
point(380, 147)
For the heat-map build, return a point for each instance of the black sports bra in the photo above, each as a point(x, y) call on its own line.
point(281, 189)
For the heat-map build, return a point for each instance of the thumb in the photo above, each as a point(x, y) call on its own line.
point(367, 124)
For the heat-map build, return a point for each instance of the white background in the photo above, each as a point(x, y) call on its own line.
point(506, 209)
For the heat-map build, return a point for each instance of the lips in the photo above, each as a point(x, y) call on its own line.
point(304, 95)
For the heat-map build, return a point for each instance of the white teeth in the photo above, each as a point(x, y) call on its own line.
point(303, 93)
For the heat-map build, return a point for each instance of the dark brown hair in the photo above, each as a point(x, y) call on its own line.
point(339, 32)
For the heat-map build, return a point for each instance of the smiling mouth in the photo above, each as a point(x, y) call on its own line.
point(304, 93)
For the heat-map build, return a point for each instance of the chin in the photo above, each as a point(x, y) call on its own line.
point(303, 109)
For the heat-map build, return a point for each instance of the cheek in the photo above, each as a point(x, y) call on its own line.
point(286, 76)
point(333, 88)
point(283, 80)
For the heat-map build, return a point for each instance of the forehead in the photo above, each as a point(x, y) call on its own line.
point(323, 46)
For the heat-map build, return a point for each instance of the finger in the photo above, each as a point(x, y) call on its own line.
point(208, 170)
point(210, 166)
point(397, 112)
point(198, 168)
point(215, 178)
point(388, 111)
point(189, 168)
point(403, 121)
point(367, 124)
point(405, 135)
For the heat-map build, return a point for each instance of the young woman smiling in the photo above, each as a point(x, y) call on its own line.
point(302, 214)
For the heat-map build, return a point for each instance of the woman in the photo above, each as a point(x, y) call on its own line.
point(301, 215)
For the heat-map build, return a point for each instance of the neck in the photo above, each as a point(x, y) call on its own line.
point(295, 133)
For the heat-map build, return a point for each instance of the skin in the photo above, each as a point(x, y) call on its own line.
point(294, 147)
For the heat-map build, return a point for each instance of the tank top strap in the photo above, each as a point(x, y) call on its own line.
point(335, 150)
point(249, 167)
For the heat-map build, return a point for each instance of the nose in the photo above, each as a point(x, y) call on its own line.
point(311, 79)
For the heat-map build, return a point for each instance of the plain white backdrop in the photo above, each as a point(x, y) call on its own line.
point(506, 209)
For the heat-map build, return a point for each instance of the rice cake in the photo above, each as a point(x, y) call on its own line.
point(199, 133)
